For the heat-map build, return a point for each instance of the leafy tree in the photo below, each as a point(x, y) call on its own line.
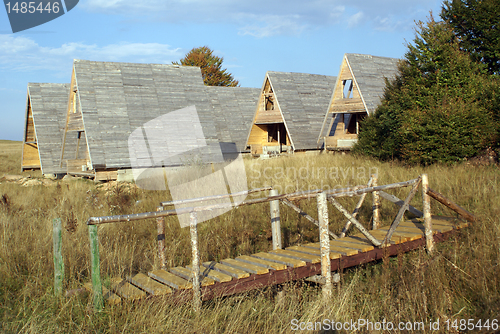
point(211, 67)
point(438, 109)
point(476, 23)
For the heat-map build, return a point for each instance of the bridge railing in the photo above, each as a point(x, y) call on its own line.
point(274, 198)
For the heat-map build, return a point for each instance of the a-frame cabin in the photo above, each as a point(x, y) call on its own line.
point(358, 91)
point(289, 112)
point(109, 101)
point(44, 127)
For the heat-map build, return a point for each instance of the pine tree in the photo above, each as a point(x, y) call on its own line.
point(476, 23)
point(439, 107)
point(211, 67)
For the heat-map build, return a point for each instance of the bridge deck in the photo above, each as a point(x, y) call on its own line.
point(246, 273)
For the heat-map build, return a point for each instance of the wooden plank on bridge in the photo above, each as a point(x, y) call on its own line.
point(335, 249)
point(126, 290)
point(186, 274)
point(149, 285)
point(438, 227)
point(313, 251)
point(261, 262)
point(297, 255)
point(213, 274)
point(236, 273)
point(251, 268)
point(352, 240)
point(379, 236)
point(412, 232)
point(360, 247)
point(294, 263)
point(170, 279)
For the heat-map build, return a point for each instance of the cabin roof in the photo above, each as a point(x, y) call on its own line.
point(234, 108)
point(49, 103)
point(302, 99)
point(370, 72)
point(119, 98)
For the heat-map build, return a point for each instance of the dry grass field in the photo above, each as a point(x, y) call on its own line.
point(461, 280)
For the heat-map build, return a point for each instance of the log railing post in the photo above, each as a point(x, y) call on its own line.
point(58, 258)
point(376, 204)
point(275, 220)
point(95, 268)
point(324, 240)
point(193, 221)
point(160, 223)
point(429, 239)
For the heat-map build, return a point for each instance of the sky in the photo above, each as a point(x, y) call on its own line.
point(253, 37)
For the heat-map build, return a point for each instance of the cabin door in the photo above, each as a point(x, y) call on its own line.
point(276, 134)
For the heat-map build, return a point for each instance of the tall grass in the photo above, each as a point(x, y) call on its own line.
point(459, 281)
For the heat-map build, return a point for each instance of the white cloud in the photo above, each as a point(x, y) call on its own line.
point(272, 25)
point(355, 19)
point(263, 18)
point(22, 53)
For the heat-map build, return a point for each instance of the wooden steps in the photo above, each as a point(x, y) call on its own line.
point(232, 275)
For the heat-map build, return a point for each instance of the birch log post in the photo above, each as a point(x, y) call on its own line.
point(160, 224)
point(376, 204)
point(58, 258)
point(195, 271)
point(275, 220)
point(324, 239)
point(95, 268)
point(429, 239)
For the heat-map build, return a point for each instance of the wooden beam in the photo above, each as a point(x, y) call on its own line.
point(160, 228)
point(275, 220)
point(356, 223)
point(455, 207)
point(399, 202)
point(195, 271)
point(356, 210)
point(324, 240)
point(429, 241)
point(376, 205)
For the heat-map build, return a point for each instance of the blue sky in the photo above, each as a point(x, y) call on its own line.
point(252, 36)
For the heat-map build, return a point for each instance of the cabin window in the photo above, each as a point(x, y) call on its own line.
point(348, 91)
point(269, 102)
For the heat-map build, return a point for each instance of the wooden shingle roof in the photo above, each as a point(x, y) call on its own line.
point(49, 103)
point(302, 99)
point(234, 108)
point(369, 73)
point(119, 98)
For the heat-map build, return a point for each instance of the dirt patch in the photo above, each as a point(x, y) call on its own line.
point(486, 158)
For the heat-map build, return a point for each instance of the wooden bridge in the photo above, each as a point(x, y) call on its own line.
point(312, 261)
